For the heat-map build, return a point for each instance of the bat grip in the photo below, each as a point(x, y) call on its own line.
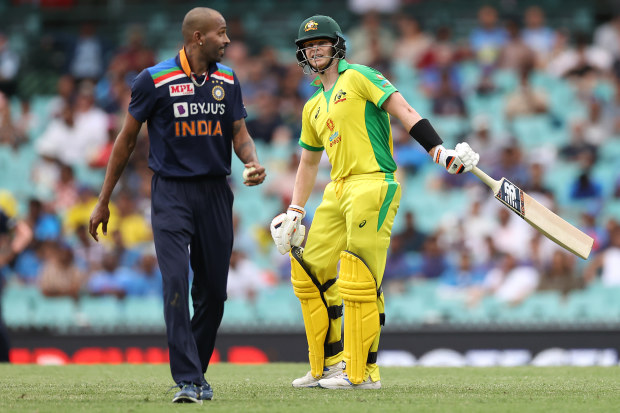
point(490, 182)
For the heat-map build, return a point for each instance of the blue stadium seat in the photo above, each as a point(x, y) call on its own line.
point(101, 313)
point(55, 312)
point(144, 313)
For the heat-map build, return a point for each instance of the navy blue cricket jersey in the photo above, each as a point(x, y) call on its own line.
point(190, 127)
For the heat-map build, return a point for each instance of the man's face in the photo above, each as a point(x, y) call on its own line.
point(318, 52)
point(216, 40)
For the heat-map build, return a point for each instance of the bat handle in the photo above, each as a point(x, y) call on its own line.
point(490, 182)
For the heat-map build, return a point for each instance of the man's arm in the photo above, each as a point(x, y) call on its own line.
point(244, 147)
point(398, 107)
point(123, 148)
point(461, 159)
point(306, 176)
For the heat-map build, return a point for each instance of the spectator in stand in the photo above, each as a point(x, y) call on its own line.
point(607, 36)
point(586, 187)
point(266, 119)
point(245, 279)
point(150, 272)
point(510, 164)
point(537, 36)
point(561, 274)
point(368, 38)
point(88, 254)
point(448, 100)
point(510, 282)
point(433, 259)
point(536, 186)
point(512, 235)
point(127, 257)
point(580, 60)
point(60, 276)
point(9, 67)
point(606, 262)
point(477, 228)
point(65, 95)
point(611, 111)
point(14, 238)
point(79, 213)
point(487, 144)
point(105, 281)
point(66, 190)
point(526, 100)
point(459, 277)
point(487, 40)
point(411, 236)
point(135, 55)
point(10, 133)
point(578, 149)
point(412, 43)
point(515, 54)
point(87, 60)
point(130, 223)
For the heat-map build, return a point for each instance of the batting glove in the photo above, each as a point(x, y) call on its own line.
point(286, 229)
point(456, 161)
point(466, 154)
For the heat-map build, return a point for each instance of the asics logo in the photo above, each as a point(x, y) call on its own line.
point(362, 224)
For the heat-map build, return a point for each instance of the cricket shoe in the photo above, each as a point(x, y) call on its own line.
point(328, 371)
point(205, 392)
point(189, 393)
point(341, 381)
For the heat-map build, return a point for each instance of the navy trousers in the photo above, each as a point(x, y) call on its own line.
point(192, 223)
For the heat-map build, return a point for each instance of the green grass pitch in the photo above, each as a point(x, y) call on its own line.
point(266, 388)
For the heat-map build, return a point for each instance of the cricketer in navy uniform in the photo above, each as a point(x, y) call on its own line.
point(194, 122)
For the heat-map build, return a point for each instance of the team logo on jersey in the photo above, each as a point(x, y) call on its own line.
point(182, 89)
point(340, 96)
point(335, 136)
point(180, 110)
point(311, 25)
point(218, 93)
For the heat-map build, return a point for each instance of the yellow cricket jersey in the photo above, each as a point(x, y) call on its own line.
point(348, 122)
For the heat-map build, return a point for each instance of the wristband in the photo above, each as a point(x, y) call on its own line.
point(298, 209)
point(425, 134)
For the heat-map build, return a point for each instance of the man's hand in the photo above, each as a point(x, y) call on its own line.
point(286, 229)
point(456, 161)
point(258, 175)
point(100, 215)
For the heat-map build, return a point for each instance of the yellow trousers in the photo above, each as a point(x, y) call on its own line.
point(356, 214)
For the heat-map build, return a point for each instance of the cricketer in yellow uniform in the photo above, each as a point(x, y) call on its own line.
point(359, 205)
point(349, 118)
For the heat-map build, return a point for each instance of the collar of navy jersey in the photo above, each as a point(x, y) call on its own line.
point(184, 63)
point(342, 66)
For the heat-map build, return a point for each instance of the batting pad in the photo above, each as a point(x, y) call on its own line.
point(361, 315)
point(316, 319)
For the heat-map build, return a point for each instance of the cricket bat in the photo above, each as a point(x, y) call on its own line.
point(538, 216)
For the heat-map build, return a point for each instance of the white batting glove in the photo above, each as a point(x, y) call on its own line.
point(467, 155)
point(456, 161)
point(286, 229)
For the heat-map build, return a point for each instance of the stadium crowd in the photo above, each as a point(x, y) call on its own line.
point(509, 73)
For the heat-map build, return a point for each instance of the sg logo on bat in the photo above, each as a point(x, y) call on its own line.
point(511, 196)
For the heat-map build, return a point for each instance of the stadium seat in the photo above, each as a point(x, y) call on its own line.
point(55, 312)
point(101, 313)
point(143, 313)
point(278, 307)
point(238, 314)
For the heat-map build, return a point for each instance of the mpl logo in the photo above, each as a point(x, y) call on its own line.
point(180, 110)
point(181, 89)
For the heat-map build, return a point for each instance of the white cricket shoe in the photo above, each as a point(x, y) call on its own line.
point(341, 381)
point(328, 372)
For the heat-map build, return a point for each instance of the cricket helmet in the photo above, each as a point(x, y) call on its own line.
point(319, 27)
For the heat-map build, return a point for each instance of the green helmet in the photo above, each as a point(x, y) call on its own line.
point(320, 27)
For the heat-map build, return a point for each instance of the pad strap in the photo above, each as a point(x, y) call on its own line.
point(334, 312)
point(372, 357)
point(331, 349)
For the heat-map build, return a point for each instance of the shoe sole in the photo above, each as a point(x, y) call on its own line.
point(352, 387)
point(185, 399)
point(307, 386)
